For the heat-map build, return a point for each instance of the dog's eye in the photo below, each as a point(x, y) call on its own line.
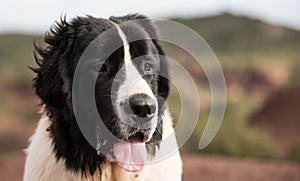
point(102, 68)
point(148, 67)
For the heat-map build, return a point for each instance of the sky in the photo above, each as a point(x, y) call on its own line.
point(36, 16)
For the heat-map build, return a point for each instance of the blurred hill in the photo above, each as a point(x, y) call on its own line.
point(237, 34)
point(258, 59)
point(237, 41)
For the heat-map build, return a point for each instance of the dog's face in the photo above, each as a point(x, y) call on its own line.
point(131, 109)
point(130, 91)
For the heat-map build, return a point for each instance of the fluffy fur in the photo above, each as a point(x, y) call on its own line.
point(58, 150)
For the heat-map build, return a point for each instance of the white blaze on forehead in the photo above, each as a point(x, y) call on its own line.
point(134, 83)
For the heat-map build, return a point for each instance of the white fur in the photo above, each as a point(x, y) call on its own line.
point(41, 163)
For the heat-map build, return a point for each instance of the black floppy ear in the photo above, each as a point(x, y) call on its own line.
point(48, 82)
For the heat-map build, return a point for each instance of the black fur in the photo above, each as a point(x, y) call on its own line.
point(56, 65)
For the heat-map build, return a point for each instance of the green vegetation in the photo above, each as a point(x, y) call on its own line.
point(294, 152)
point(16, 54)
point(235, 138)
point(295, 69)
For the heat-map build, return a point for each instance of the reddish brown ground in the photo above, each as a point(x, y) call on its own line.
point(196, 168)
point(221, 169)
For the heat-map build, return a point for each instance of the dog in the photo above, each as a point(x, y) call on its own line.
point(134, 112)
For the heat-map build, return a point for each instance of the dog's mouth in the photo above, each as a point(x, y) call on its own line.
point(131, 154)
point(138, 137)
point(129, 150)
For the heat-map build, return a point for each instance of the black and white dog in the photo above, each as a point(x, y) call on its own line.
point(59, 150)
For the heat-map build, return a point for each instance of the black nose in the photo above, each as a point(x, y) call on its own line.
point(140, 105)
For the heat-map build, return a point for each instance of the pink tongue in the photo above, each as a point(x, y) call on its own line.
point(130, 156)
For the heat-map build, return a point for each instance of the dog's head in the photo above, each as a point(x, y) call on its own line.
point(130, 90)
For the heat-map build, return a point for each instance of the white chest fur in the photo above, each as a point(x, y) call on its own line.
point(41, 163)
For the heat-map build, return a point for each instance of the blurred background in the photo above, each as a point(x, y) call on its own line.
point(257, 44)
